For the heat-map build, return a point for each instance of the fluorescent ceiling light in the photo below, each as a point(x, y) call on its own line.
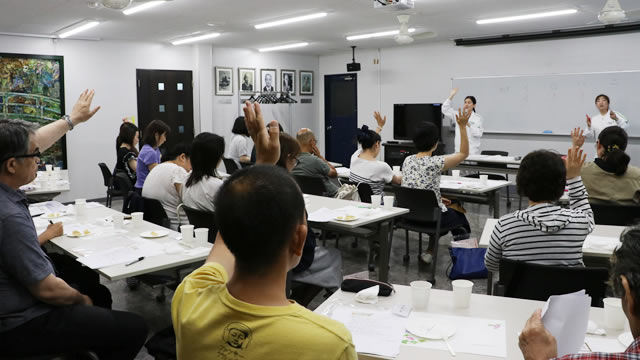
point(378, 34)
point(80, 27)
point(195, 38)
point(527, 17)
point(142, 7)
point(291, 20)
point(284, 47)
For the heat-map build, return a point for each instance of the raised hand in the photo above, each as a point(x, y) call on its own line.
point(574, 161)
point(462, 118)
point(588, 121)
point(82, 109)
point(613, 115)
point(267, 141)
point(577, 137)
point(453, 93)
point(379, 119)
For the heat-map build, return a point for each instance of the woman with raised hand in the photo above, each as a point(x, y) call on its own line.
point(474, 125)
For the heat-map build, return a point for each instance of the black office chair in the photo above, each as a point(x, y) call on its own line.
point(246, 164)
point(154, 212)
point(310, 185)
point(504, 177)
point(364, 190)
point(615, 213)
point(230, 165)
point(108, 182)
point(203, 219)
point(424, 218)
point(524, 280)
point(122, 181)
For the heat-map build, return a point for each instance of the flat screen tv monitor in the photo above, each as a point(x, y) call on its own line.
point(408, 117)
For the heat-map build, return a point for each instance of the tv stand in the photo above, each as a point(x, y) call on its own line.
point(395, 152)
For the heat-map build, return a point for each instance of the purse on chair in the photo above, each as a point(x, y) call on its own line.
point(468, 263)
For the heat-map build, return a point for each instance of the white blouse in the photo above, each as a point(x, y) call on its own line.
point(474, 131)
point(600, 122)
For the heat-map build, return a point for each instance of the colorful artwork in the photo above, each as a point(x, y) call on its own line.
point(32, 89)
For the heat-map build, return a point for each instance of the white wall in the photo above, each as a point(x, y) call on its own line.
point(109, 67)
point(423, 72)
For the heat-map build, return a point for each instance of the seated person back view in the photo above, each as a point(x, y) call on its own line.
point(312, 164)
point(164, 183)
point(40, 313)
point(545, 233)
point(235, 306)
point(202, 184)
point(537, 343)
point(155, 134)
point(365, 166)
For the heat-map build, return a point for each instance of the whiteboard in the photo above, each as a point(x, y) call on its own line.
point(537, 104)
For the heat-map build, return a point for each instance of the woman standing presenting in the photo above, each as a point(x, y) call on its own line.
point(474, 126)
point(605, 118)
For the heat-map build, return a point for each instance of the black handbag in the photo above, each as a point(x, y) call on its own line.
point(355, 285)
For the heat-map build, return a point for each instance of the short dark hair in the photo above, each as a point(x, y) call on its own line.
point(14, 138)
point(625, 262)
point(239, 127)
point(183, 147)
point(155, 127)
point(367, 138)
point(542, 176)
point(426, 137)
point(603, 96)
point(473, 100)
point(257, 210)
point(127, 134)
point(289, 147)
point(614, 141)
point(206, 151)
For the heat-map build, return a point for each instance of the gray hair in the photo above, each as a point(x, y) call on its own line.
point(14, 137)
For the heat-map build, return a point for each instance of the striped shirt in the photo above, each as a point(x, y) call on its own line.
point(372, 172)
point(544, 233)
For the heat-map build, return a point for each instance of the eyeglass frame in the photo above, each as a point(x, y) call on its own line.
point(37, 153)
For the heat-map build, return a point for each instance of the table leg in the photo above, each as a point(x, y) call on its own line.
point(490, 283)
point(496, 204)
point(383, 257)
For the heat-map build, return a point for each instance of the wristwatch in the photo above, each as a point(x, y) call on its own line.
point(67, 118)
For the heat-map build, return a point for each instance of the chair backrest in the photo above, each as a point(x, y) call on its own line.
point(494, 152)
point(537, 282)
point(311, 185)
point(230, 165)
point(615, 213)
point(106, 174)
point(122, 181)
point(423, 204)
point(497, 166)
point(202, 219)
point(245, 164)
point(364, 190)
point(154, 212)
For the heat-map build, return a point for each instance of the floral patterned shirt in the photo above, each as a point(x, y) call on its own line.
point(424, 173)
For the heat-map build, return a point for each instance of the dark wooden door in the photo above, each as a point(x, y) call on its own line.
point(340, 117)
point(166, 95)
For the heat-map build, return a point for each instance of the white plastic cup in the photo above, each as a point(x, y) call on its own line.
point(420, 291)
point(455, 173)
point(81, 207)
point(137, 218)
point(614, 317)
point(187, 233)
point(388, 201)
point(57, 175)
point(376, 200)
point(49, 167)
point(396, 169)
point(118, 220)
point(202, 236)
point(461, 293)
point(484, 179)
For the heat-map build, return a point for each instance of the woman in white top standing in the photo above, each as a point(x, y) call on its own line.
point(474, 126)
point(605, 118)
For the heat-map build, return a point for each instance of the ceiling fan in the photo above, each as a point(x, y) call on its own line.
point(115, 4)
point(612, 13)
point(404, 37)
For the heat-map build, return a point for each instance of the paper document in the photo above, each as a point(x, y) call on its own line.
point(322, 215)
point(602, 344)
point(373, 331)
point(114, 256)
point(566, 317)
point(604, 243)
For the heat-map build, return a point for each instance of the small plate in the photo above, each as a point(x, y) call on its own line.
point(154, 234)
point(79, 233)
point(430, 329)
point(347, 218)
point(626, 338)
point(53, 215)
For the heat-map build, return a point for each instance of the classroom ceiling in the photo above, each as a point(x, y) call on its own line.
point(449, 19)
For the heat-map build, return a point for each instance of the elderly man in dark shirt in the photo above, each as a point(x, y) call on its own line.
point(40, 314)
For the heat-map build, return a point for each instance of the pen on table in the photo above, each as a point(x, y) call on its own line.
point(135, 261)
point(50, 222)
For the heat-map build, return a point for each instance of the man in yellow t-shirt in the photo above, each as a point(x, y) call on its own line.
point(235, 306)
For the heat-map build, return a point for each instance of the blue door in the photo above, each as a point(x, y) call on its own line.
point(340, 117)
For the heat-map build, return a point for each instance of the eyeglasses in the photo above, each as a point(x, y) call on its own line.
point(34, 154)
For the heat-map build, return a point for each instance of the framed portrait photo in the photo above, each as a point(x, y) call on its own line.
point(269, 80)
point(306, 82)
point(246, 80)
point(288, 81)
point(224, 80)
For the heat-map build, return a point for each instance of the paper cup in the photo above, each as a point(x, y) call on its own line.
point(118, 221)
point(420, 291)
point(484, 179)
point(49, 167)
point(81, 207)
point(202, 235)
point(613, 315)
point(56, 173)
point(388, 201)
point(187, 233)
point(376, 200)
point(455, 173)
point(137, 218)
point(461, 293)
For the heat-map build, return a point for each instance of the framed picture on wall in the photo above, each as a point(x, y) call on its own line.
point(306, 82)
point(246, 80)
point(288, 81)
point(224, 80)
point(268, 83)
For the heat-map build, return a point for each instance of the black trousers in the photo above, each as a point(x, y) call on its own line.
point(110, 334)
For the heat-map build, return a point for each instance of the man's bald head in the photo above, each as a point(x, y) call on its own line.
point(305, 137)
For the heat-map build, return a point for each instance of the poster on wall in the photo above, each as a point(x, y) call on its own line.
point(247, 80)
point(224, 80)
point(288, 81)
point(306, 82)
point(268, 83)
point(32, 89)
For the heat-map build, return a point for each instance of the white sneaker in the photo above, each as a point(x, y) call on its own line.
point(426, 258)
